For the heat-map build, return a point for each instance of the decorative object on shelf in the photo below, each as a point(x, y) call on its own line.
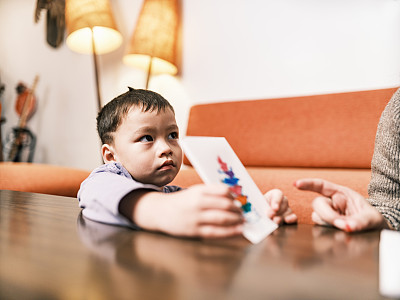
point(55, 20)
point(153, 46)
point(91, 30)
point(2, 88)
point(20, 143)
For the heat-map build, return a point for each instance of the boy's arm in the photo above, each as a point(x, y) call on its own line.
point(199, 211)
point(145, 202)
point(101, 193)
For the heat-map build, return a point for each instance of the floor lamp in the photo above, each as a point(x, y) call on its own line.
point(153, 46)
point(91, 30)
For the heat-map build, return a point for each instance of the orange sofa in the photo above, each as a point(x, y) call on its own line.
point(41, 178)
point(328, 136)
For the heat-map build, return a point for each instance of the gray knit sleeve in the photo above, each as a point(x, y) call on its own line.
point(384, 187)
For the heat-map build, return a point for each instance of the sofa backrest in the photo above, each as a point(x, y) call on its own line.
point(331, 130)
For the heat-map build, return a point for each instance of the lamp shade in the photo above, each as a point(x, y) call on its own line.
point(155, 37)
point(86, 16)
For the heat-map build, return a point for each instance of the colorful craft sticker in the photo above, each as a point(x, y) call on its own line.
point(237, 190)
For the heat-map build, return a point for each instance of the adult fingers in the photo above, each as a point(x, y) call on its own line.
point(321, 186)
point(348, 224)
point(368, 218)
point(322, 206)
point(317, 219)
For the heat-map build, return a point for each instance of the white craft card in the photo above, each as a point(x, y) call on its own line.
point(389, 263)
point(210, 156)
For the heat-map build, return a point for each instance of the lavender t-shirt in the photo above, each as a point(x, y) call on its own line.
point(101, 193)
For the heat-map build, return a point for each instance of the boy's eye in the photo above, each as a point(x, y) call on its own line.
point(146, 138)
point(173, 136)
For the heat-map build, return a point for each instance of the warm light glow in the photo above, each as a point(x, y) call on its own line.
point(159, 66)
point(106, 40)
point(156, 36)
point(84, 15)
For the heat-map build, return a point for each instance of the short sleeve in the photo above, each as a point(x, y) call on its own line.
point(101, 193)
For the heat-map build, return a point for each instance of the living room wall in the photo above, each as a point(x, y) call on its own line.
point(231, 50)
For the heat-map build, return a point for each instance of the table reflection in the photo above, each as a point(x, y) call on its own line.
point(305, 247)
point(161, 262)
point(49, 251)
point(304, 258)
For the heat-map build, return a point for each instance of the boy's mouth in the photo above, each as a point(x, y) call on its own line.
point(168, 164)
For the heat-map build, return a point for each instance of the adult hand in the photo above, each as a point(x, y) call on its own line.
point(341, 206)
point(278, 207)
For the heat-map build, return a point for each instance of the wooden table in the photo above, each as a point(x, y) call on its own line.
point(49, 251)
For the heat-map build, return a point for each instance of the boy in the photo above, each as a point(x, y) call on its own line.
point(142, 155)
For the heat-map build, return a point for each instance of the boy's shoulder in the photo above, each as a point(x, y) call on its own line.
point(118, 169)
point(113, 167)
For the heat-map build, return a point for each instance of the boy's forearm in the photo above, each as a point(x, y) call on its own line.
point(142, 207)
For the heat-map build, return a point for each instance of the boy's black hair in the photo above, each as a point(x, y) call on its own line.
point(112, 114)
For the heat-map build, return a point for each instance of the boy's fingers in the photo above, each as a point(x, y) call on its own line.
point(222, 218)
point(290, 218)
point(219, 202)
point(283, 207)
point(215, 189)
point(277, 201)
point(210, 231)
point(278, 220)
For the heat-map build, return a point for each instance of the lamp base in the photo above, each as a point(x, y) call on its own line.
point(149, 72)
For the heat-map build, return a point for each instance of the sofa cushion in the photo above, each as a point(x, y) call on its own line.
point(283, 178)
point(332, 130)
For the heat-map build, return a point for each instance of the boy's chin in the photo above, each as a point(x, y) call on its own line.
point(160, 182)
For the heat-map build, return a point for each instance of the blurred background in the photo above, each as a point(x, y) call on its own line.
point(228, 50)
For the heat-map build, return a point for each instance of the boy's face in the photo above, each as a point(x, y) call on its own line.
point(146, 144)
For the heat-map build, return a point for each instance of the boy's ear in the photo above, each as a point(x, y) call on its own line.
point(108, 153)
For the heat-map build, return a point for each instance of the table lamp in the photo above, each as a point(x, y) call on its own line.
point(91, 30)
point(153, 46)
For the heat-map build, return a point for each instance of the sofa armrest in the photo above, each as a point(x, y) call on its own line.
point(41, 178)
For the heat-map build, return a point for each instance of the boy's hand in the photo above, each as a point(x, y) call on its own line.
point(206, 211)
point(278, 208)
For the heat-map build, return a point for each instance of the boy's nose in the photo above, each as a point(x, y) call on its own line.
point(164, 148)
